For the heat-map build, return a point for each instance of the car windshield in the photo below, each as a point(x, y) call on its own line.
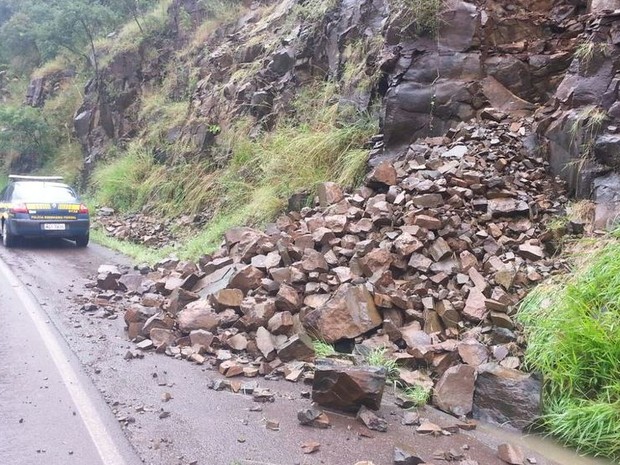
point(43, 192)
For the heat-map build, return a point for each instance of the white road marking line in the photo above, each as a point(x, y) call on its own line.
point(106, 448)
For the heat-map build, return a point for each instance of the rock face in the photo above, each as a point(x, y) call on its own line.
point(506, 396)
point(348, 388)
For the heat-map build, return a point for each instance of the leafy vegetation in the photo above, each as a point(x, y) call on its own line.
point(35, 31)
point(585, 127)
point(23, 129)
point(572, 328)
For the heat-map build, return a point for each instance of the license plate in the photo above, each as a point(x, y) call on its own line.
point(54, 226)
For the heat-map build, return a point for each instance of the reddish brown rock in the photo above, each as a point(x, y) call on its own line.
point(281, 323)
point(297, 347)
point(507, 207)
point(439, 249)
point(201, 337)
point(506, 396)
point(349, 313)
point(427, 222)
point(288, 299)
point(230, 368)
point(226, 298)
point(454, 392)
point(198, 315)
point(475, 306)
point(256, 313)
point(314, 261)
point(406, 244)
point(371, 420)
point(162, 337)
point(179, 298)
point(264, 341)
point(384, 173)
point(313, 417)
point(107, 277)
point(347, 388)
point(510, 454)
point(247, 278)
point(237, 342)
point(329, 193)
point(376, 261)
point(414, 336)
point(473, 352)
point(531, 252)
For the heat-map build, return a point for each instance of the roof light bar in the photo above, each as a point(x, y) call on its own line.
point(35, 178)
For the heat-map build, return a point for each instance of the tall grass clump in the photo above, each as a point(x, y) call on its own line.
point(573, 332)
point(425, 15)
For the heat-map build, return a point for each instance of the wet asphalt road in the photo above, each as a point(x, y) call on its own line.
point(197, 425)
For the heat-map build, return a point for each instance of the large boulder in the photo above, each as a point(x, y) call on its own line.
point(454, 392)
point(506, 396)
point(350, 312)
point(347, 388)
point(198, 315)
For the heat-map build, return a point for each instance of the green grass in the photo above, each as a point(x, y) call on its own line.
point(140, 253)
point(250, 180)
point(573, 332)
point(419, 395)
point(425, 15)
point(379, 357)
point(323, 349)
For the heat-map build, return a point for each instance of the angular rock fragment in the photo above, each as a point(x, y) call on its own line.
point(405, 456)
point(297, 347)
point(313, 417)
point(454, 392)
point(198, 315)
point(510, 454)
point(349, 313)
point(371, 420)
point(347, 388)
point(506, 396)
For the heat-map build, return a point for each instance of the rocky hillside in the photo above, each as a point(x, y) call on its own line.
point(470, 122)
point(419, 67)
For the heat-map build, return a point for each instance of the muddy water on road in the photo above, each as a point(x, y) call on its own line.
point(219, 428)
point(546, 446)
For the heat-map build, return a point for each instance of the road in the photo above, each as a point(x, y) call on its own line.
point(163, 406)
point(50, 411)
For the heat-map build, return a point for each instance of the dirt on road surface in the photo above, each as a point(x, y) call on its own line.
point(171, 415)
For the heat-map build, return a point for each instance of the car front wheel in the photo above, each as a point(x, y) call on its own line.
point(8, 239)
point(82, 241)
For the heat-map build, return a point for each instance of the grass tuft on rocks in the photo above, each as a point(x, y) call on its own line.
point(322, 349)
point(379, 357)
point(573, 331)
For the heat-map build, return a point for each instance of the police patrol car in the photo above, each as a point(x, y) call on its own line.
point(42, 206)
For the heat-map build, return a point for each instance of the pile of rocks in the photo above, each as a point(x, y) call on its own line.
point(141, 228)
point(428, 260)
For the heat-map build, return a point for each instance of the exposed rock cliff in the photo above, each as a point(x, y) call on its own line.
point(419, 76)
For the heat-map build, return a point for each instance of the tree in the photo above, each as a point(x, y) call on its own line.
point(24, 130)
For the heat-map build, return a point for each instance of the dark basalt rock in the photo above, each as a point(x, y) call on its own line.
point(347, 388)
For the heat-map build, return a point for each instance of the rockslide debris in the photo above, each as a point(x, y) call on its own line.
point(427, 260)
